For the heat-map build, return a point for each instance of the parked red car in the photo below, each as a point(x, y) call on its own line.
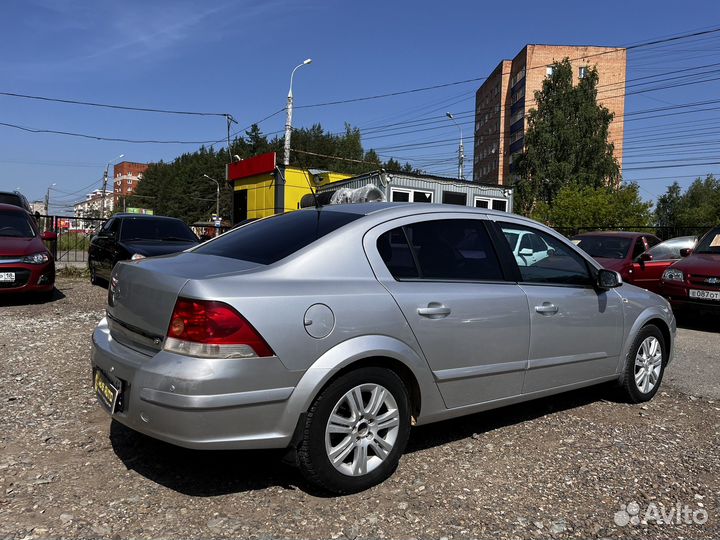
point(25, 263)
point(616, 250)
point(648, 267)
point(695, 280)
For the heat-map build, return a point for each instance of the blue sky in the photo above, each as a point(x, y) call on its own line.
point(236, 57)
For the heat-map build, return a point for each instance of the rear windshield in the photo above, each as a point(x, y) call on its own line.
point(167, 230)
point(710, 243)
point(604, 247)
point(10, 198)
point(269, 240)
point(15, 224)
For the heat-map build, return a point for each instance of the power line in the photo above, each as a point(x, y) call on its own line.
point(111, 106)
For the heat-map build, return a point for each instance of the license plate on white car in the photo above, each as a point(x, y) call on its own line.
point(7, 276)
point(705, 295)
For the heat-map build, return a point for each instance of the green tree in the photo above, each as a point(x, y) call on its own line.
point(668, 206)
point(598, 207)
point(566, 140)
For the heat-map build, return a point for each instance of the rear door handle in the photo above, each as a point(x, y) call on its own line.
point(434, 310)
point(547, 307)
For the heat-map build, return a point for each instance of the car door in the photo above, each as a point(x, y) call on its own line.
point(107, 247)
point(472, 325)
point(576, 329)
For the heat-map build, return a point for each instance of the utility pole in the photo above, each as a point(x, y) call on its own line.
point(105, 181)
point(47, 198)
point(461, 149)
point(288, 119)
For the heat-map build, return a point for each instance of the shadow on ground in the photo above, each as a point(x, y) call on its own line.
point(210, 473)
point(31, 298)
point(701, 321)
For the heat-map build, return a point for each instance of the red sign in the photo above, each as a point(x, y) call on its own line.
point(262, 164)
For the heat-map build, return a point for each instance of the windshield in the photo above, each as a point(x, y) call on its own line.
point(268, 240)
point(710, 243)
point(169, 230)
point(10, 198)
point(15, 224)
point(604, 247)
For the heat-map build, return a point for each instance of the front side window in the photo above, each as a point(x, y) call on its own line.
point(441, 250)
point(603, 247)
point(639, 248)
point(543, 259)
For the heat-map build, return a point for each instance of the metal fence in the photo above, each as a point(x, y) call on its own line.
point(73, 237)
point(663, 233)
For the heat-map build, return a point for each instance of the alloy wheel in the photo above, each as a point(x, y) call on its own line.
point(362, 429)
point(648, 364)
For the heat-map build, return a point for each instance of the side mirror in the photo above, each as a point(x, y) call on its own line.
point(684, 252)
point(49, 235)
point(608, 279)
point(645, 257)
point(526, 252)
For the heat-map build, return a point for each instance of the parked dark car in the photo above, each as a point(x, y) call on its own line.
point(26, 265)
point(648, 267)
point(695, 280)
point(616, 250)
point(132, 236)
point(15, 198)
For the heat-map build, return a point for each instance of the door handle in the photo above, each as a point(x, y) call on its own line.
point(547, 307)
point(434, 310)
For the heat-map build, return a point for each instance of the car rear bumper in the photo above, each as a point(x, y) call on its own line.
point(28, 277)
point(198, 403)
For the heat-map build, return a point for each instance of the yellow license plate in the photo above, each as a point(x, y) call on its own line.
point(106, 393)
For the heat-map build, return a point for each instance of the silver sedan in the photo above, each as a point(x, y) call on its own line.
point(331, 331)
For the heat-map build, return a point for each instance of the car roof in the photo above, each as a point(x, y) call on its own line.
point(620, 234)
point(398, 209)
point(144, 216)
point(13, 208)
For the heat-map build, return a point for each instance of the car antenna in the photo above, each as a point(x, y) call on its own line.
point(312, 190)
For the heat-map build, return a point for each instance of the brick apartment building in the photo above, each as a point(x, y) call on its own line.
point(504, 99)
point(126, 176)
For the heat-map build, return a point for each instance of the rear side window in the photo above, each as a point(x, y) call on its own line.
point(442, 250)
point(269, 240)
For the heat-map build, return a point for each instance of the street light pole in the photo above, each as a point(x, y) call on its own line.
point(217, 194)
point(461, 149)
point(105, 181)
point(47, 197)
point(288, 120)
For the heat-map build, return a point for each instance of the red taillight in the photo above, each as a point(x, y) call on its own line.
point(216, 325)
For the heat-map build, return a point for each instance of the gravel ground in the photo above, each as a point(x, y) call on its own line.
point(560, 467)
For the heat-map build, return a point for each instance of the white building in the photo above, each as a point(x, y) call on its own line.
point(91, 207)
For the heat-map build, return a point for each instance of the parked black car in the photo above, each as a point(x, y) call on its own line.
point(133, 236)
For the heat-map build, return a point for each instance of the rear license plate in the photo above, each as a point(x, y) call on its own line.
point(705, 295)
point(7, 276)
point(106, 393)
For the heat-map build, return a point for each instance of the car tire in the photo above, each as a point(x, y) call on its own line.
point(363, 444)
point(94, 279)
point(645, 365)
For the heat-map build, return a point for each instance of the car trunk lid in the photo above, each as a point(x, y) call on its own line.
point(142, 294)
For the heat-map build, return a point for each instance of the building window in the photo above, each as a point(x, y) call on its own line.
point(491, 202)
point(582, 72)
point(453, 197)
point(408, 195)
point(549, 71)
